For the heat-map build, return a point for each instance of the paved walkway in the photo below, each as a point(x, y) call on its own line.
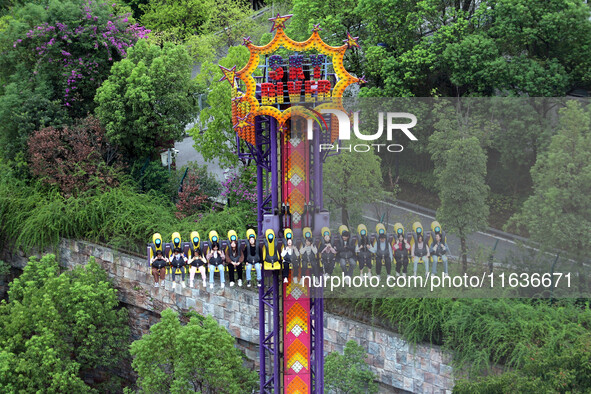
point(187, 153)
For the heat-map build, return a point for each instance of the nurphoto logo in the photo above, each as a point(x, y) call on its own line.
point(392, 124)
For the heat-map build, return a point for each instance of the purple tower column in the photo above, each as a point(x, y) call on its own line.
point(263, 364)
point(277, 361)
point(259, 161)
point(319, 349)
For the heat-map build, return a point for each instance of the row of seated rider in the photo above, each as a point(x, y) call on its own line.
point(420, 252)
point(213, 256)
point(363, 250)
point(217, 256)
point(347, 252)
point(304, 260)
point(384, 251)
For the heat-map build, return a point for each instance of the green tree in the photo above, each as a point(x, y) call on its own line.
point(206, 27)
point(471, 47)
point(199, 356)
point(352, 180)
point(213, 134)
point(348, 373)
point(230, 20)
point(463, 192)
point(56, 328)
point(336, 18)
point(23, 110)
point(524, 130)
point(181, 18)
point(55, 54)
point(561, 201)
point(148, 100)
point(478, 48)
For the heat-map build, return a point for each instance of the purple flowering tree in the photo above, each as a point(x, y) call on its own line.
point(75, 54)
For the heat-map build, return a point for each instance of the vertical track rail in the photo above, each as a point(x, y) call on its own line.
point(270, 334)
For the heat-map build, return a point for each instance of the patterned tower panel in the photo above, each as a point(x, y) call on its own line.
point(296, 170)
point(296, 339)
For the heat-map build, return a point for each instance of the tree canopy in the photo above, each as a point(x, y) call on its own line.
point(148, 99)
point(463, 192)
point(55, 55)
point(199, 356)
point(57, 327)
point(561, 200)
point(348, 373)
point(352, 180)
point(213, 134)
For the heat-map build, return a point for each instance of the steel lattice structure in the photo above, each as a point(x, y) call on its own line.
point(271, 121)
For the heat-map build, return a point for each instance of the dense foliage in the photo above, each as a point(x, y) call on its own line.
point(58, 327)
point(55, 54)
point(167, 361)
point(213, 134)
point(463, 49)
point(118, 216)
point(148, 99)
point(561, 200)
point(350, 183)
point(195, 191)
point(539, 343)
point(348, 372)
point(463, 193)
point(73, 157)
point(240, 190)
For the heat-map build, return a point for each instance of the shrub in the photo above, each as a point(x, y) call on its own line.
point(208, 184)
point(58, 327)
point(74, 48)
point(31, 217)
point(348, 372)
point(546, 346)
point(195, 191)
point(190, 199)
point(152, 176)
point(167, 362)
point(73, 156)
point(240, 191)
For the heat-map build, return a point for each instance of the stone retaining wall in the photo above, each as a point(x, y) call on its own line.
point(398, 365)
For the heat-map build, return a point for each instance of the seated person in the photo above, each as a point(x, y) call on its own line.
point(420, 250)
point(309, 259)
point(234, 261)
point(158, 264)
point(401, 250)
point(215, 259)
point(364, 252)
point(346, 254)
point(178, 261)
point(383, 251)
point(289, 255)
point(327, 254)
point(439, 250)
point(252, 255)
point(197, 263)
